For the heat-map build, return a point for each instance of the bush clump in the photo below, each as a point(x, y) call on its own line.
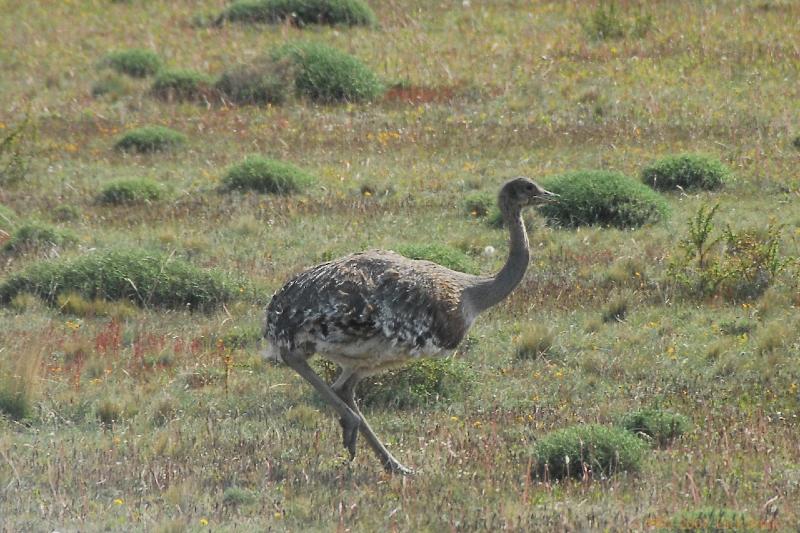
point(235, 496)
point(479, 204)
point(146, 279)
point(150, 139)
point(325, 74)
point(445, 255)
point(686, 171)
point(264, 82)
point(713, 519)
point(601, 197)
point(181, 84)
point(659, 426)
point(34, 236)
point(7, 218)
point(593, 450)
point(261, 174)
point(134, 62)
point(536, 341)
point(300, 12)
point(131, 191)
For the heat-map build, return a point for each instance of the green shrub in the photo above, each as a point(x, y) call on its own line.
point(300, 12)
point(65, 213)
point(134, 62)
point(594, 449)
point(150, 139)
point(608, 23)
point(37, 236)
point(714, 519)
point(265, 82)
point(265, 175)
point(15, 403)
point(131, 191)
point(146, 279)
point(661, 427)
point(479, 204)
point(112, 85)
point(536, 341)
point(325, 74)
point(181, 84)
point(445, 255)
point(616, 309)
point(235, 496)
point(686, 171)
point(601, 197)
point(7, 218)
point(420, 383)
point(108, 413)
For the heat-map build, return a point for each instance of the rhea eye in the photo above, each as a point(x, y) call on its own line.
point(529, 187)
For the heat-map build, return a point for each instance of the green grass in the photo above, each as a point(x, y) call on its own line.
point(134, 62)
point(131, 191)
point(300, 12)
point(659, 426)
point(264, 175)
point(479, 93)
point(263, 82)
point(181, 84)
point(445, 255)
point(150, 139)
point(687, 172)
point(33, 236)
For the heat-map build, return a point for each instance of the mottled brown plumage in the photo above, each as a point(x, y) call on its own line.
point(375, 310)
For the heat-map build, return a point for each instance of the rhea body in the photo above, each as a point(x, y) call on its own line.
point(376, 310)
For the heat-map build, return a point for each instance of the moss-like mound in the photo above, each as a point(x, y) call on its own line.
point(328, 75)
point(686, 171)
point(150, 139)
point(601, 197)
point(595, 450)
point(146, 279)
point(442, 254)
point(660, 426)
point(300, 12)
point(34, 236)
point(264, 82)
point(130, 191)
point(261, 174)
point(135, 62)
point(181, 84)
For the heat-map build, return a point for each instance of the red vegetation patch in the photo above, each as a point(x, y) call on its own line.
point(420, 95)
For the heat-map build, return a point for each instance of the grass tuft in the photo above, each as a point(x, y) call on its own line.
point(181, 85)
point(686, 171)
point(143, 278)
point(131, 191)
point(266, 81)
point(264, 175)
point(605, 198)
point(587, 450)
point(235, 496)
point(442, 254)
point(150, 139)
point(8, 219)
point(134, 62)
point(536, 341)
point(325, 74)
point(299, 12)
point(659, 426)
point(713, 519)
point(36, 236)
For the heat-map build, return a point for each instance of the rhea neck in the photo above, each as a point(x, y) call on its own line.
point(490, 291)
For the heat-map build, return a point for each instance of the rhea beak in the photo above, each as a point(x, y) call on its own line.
point(547, 196)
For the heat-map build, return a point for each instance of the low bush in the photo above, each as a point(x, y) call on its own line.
point(111, 85)
point(181, 84)
point(300, 12)
point(235, 496)
point(130, 191)
point(592, 450)
point(445, 255)
point(536, 341)
point(686, 171)
point(34, 236)
point(604, 198)
point(261, 174)
point(324, 74)
point(617, 309)
point(610, 23)
point(134, 62)
point(146, 279)
point(713, 519)
point(65, 213)
point(150, 139)
point(659, 426)
point(264, 82)
point(480, 204)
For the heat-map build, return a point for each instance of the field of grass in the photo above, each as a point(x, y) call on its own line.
point(136, 415)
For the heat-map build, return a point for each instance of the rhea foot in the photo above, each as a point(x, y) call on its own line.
point(350, 434)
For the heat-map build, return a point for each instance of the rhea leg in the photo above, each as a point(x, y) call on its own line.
point(349, 419)
point(345, 388)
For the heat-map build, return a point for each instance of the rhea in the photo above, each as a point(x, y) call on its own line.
point(375, 310)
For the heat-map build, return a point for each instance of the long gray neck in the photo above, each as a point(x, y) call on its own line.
point(491, 291)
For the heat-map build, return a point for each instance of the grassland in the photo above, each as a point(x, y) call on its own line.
point(140, 418)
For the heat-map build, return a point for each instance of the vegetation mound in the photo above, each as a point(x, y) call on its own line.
point(601, 197)
point(325, 74)
point(659, 426)
point(447, 256)
point(134, 62)
point(300, 12)
point(591, 450)
point(146, 279)
point(150, 139)
point(686, 171)
point(34, 236)
point(131, 191)
point(181, 84)
point(261, 174)
point(265, 82)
